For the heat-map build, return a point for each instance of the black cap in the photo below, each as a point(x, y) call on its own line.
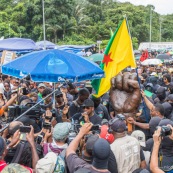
point(165, 122)
point(57, 93)
point(88, 103)
point(101, 153)
point(170, 97)
point(117, 125)
point(154, 123)
point(168, 109)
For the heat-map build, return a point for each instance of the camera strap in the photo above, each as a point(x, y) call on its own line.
point(18, 152)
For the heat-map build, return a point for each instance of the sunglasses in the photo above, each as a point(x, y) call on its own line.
point(86, 107)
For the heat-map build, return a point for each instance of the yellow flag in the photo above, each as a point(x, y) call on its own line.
point(118, 55)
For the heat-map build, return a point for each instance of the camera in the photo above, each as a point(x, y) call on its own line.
point(165, 130)
point(15, 111)
point(96, 128)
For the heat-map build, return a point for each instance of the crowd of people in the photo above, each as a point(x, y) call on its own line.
point(68, 130)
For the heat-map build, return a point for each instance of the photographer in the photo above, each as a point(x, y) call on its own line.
point(154, 157)
point(50, 115)
point(165, 149)
point(59, 138)
point(101, 153)
point(61, 106)
point(4, 149)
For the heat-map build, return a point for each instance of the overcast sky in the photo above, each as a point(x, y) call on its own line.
point(161, 6)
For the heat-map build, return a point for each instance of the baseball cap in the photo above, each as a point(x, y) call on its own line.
point(153, 123)
point(117, 125)
point(140, 136)
point(105, 135)
point(165, 122)
point(170, 97)
point(88, 103)
point(168, 109)
point(15, 167)
point(41, 85)
point(57, 93)
point(101, 153)
point(50, 163)
point(61, 130)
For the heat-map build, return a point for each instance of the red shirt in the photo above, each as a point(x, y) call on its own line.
point(3, 164)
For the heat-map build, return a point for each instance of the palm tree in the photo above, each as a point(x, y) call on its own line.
point(55, 29)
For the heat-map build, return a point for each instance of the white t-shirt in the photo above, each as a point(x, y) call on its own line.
point(127, 154)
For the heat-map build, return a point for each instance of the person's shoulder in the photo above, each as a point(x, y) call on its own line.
point(77, 115)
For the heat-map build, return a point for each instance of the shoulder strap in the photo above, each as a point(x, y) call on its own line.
point(18, 153)
point(62, 154)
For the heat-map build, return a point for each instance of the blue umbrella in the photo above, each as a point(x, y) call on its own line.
point(53, 66)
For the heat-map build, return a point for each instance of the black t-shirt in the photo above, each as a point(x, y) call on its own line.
point(112, 164)
point(102, 112)
point(75, 108)
point(74, 163)
point(95, 119)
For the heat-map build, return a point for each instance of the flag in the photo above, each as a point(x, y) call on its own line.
point(118, 55)
point(111, 32)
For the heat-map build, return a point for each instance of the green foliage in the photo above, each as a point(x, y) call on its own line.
point(80, 21)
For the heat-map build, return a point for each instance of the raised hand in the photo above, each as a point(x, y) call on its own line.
point(125, 94)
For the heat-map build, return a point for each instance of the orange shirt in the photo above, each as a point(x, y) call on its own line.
point(1, 111)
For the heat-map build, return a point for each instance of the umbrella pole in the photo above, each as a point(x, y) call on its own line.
point(54, 95)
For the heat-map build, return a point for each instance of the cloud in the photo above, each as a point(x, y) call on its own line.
point(161, 6)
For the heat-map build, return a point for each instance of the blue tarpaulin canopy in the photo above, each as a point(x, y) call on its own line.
point(74, 48)
point(48, 45)
point(17, 44)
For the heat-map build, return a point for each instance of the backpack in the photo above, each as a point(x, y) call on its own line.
point(60, 166)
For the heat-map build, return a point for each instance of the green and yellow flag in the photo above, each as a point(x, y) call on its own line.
point(118, 55)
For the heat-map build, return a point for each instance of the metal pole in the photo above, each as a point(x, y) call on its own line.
point(150, 25)
point(99, 47)
point(9, 30)
point(160, 29)
point(44, 29)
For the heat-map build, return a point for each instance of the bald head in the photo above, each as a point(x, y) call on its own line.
point(14, 126)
